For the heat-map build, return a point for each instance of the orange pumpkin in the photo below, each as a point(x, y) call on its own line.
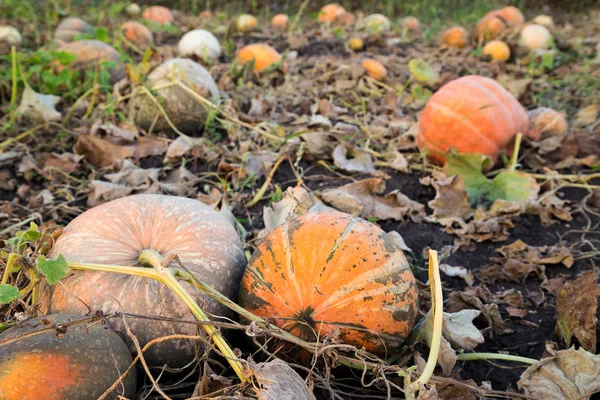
point(81, 364)
point(497, 49)
point(91, 52)
point(356, 44)
point(262, 54)
point(456, 36)
point(330, 12)
point(374, 68)
point(489, 27)
point(411, 24)
point(68, 28)
point(473, 114)
point(158, 14)
point(137, 34)
point(246, 23)
point(115, 233)
point(333, 271)
point(512, 15)
point(280, 21)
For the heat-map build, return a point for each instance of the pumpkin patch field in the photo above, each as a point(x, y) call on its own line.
point(299, 200)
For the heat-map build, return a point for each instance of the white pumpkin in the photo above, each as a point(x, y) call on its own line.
point(535, 37)
point(10, 35)
point(375, 23)
point(187, 114)
point(200, 43)
point(133, 10)
point(544, 20)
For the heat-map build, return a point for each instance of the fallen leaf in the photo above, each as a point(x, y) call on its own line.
point(451, 202)
point(458, 301)
point(124, 135)
point(586, 116)
point(576, 306)
point(361, 198)
point(459, 330)
point(38, 108)
point(360, 162)
point(565, 375)
point(460, 272)
point(277, 380)
point(102, 153)
point(102, 192)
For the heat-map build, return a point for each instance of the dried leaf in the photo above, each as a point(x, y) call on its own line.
point(360, 162)
point(565, 375)
point(577, 303)
point(586, 116)
point(102, 192)
point(277, 380)
point(38, 108)
point(459, 330)
point(460, 272)
point(451, 202)
point(102, 153)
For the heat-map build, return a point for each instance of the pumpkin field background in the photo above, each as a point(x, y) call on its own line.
point(263, 135)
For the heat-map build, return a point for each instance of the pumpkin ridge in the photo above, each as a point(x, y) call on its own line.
point(269, 286)
point(289, 265)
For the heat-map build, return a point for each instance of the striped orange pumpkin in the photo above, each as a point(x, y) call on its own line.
point(473, 114)
point(330, 271)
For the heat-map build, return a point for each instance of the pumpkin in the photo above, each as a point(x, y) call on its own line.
point(200, 43)
point(91, 52)
point(280, 21)
point(457, 36)
point(374, 23)
point(545, 122)
point(535, 37)
point(137, 34)
point(82, 363)
point(345, 19)
point(489, 27)
point(330, 271)
point(511, 14)
point(374, 68)
point(330, 12)
point(159, 15)
point(356, 44)
point(497, 49)
point(186, 113)
point(544, 20)
point(473, 114)
point(262, 54)
point(246, 23)
point(133, 10)
point(68, 28)
point(206, 14)
point(10, 36)
point(115, 233)
point(411, 24)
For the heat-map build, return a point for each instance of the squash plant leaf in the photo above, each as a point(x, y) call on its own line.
point(21, 238)
point(8, 293)
point(508, 185)
point(53, 270)
point(422, 71)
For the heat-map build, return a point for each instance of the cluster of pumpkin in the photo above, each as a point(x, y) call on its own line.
point(315, 274)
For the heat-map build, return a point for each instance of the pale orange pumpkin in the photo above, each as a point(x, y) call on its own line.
point(206, 14)
point(137, 34)
point(92, 52)
point(497, 49)
point(158, 14)
point(82, 363)
point(356, 44)
point(457, 36)
point(246, 23)
point(262, 54)
point(411, 24)
point(115, 233)
point(374, 68)
point(512, 15)
point(69, 27)
point(473, 114)
point(280, 21)
point(329, 12)
point(329, 271)
point(489, 27)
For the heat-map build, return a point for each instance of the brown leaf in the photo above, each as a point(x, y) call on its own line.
point(565, 375)
point(360, 162)
point(102, 153)
point(102, 192)
point(489, 312)
point(576, 307)
point(361, 198)
point(277, 380)
point(451, 202)
point(586, 116)
point(126, 134)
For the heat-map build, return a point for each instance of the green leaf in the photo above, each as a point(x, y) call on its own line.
point(515, 186)
point(422, 71)
point(53, 270)
point(8, 293)
point(63, 57)
point(102, 35)
point(19, 242)
point(469, 167)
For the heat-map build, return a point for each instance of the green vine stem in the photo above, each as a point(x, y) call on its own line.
point(512, 163)
point(495, 356)
point(167, 277)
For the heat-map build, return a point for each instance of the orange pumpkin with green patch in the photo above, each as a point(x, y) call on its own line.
point(330, 271)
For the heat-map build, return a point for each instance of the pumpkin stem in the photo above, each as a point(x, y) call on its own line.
point(495, 356)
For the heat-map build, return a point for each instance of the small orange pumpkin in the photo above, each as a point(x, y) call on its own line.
point(473, 114)
point(115, 233)
point(489, 27)
point(411, 24)
point(333, 271)
point(512, 15)
point(158, 14)
point(69, 27)
point(497, 49)
point(246, 23)
point(82, 363)
point(137, 34)
point(457, 36)
point(330, 12)
point(262, 54)
point(356, 44)
point(280, 21)
point(374, 68)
